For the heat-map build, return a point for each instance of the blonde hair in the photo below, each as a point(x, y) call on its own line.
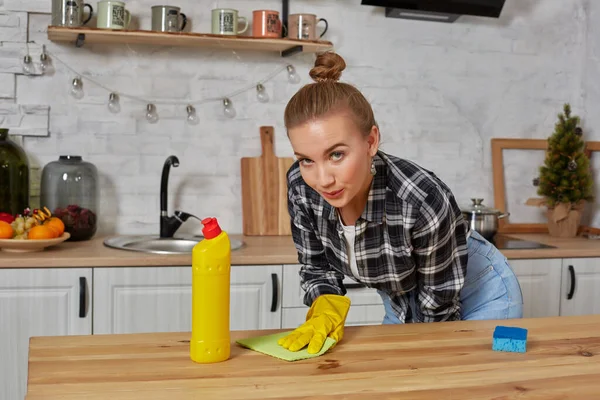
point(327, 96)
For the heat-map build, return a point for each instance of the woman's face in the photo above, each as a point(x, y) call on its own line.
point(335, 157)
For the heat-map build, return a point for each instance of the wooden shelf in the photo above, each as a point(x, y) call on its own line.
point(286, 47)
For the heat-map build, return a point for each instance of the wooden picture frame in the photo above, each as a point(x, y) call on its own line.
point(498, 146)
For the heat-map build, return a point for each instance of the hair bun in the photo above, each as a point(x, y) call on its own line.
point(328, 67)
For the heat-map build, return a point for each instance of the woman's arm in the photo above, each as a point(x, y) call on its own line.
point(316, 276)
point(324, 291)
point(440, 250)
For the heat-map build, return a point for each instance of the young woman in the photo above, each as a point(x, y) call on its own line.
point(384, 221)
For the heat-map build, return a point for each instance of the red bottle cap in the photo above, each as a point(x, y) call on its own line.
point(211, 228)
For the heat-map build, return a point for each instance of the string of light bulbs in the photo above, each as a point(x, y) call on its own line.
point(46, 67)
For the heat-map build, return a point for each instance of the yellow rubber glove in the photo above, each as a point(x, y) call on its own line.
point(325, 318)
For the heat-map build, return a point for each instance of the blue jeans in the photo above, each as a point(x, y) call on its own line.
point(491, 290)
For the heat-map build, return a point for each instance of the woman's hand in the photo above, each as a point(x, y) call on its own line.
point(325, 318)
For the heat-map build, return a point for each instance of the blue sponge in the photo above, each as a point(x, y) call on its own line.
point(509, 338)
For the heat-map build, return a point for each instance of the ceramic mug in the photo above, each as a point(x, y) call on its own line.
point(225, 21)
point(113, 15)
point(304, 26)
point(266, 23)
point(168, 19)
point(70, 13)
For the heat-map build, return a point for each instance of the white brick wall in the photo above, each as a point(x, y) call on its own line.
point(440, 93)
point(41, 6)
point(25, 120)
point(13, 26)
point(7, 86)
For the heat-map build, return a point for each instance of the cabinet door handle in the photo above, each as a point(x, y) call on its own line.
point(275, 284)
point(82, 297)
point(572, 289)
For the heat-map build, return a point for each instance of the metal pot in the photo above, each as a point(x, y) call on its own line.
point(482, 219)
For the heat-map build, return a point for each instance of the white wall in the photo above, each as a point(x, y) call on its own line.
point(440, 93)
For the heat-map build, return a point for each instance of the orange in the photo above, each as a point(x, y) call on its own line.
point(6, 231)
point(56, 225)
point(41, 232)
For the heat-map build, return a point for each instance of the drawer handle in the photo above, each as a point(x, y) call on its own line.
point(354, 286)
point(275, 284)
point(572, 289)
point(82, 296)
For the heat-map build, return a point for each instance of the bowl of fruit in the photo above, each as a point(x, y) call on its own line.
point(31, 231)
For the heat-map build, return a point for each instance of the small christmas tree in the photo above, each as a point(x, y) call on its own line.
point(565, 176)
point(565, 179)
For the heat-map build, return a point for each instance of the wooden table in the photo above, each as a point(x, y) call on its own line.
point(451, 360)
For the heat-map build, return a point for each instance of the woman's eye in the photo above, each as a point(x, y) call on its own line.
point(305, 161)
point(337, 155)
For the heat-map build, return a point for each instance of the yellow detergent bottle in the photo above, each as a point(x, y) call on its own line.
point(211, 271)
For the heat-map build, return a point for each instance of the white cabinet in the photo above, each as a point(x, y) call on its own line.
point(580, 292)
point(142, 299)
point(159, 299)
point(292, 318)
point(540, 281)
point(366, 305)
point(38, 302)
point(564, 287)
point(293, 294)
point(256, 297)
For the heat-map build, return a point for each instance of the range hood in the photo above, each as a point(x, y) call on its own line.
point(438, 10)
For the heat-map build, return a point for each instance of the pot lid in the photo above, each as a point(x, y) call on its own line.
point(478, 208)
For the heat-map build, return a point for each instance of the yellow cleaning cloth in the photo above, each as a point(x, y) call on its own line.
point(267, 344)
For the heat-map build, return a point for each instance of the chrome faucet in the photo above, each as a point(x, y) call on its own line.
point(169, 225)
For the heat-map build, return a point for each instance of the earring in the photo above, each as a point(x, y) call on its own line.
point(373, 169)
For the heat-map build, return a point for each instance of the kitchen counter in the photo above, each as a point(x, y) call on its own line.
point(258, 250)
point(413, 361)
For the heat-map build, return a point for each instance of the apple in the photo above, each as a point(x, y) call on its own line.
point(6, 217)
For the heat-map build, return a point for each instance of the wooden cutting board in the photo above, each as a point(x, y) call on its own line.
point(264, 190)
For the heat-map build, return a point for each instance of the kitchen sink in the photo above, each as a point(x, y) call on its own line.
point(157, 245)
point(168, 241)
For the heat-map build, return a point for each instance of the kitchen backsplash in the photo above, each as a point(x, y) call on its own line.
point(440, 93)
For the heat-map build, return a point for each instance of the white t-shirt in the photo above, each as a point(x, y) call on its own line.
point(350, 234)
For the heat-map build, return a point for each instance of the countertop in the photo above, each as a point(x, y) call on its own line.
point(413, 361)
point(258, 250)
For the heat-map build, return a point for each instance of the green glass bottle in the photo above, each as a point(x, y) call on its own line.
point(14, 176)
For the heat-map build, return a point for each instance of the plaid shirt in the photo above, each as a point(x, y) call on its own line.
point(411, 241)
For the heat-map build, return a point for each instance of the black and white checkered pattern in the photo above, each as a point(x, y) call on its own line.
point(411, 241)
